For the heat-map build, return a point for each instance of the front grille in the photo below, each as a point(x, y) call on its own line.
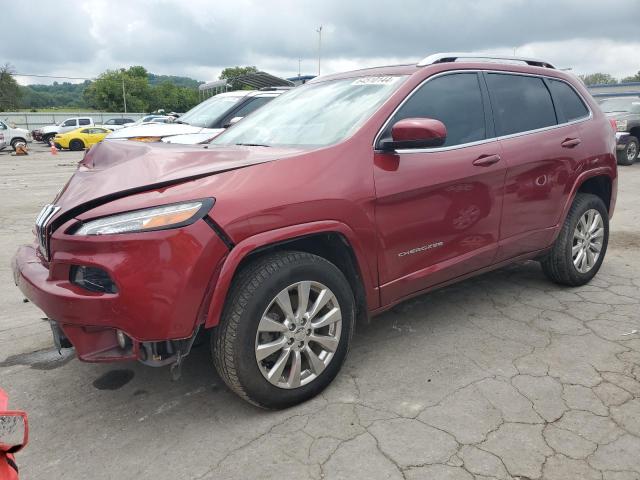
point(42, 230)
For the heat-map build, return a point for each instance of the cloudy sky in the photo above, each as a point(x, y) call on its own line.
point(197, 38)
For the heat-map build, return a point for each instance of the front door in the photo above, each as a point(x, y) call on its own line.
point(69, 125)
point(438, 210)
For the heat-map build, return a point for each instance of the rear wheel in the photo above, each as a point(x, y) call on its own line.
point(579, 250)
point(285, 330)
point(630, 153)
point(76, 145)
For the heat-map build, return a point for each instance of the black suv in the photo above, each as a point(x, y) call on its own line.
point(626, 113)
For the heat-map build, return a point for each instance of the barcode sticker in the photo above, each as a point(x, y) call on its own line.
point(387, 80)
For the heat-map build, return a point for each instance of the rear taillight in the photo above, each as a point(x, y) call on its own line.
point(613, 124)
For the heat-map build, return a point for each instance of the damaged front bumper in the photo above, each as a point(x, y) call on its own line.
point(161, 282)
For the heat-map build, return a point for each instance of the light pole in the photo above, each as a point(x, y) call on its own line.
point(124, 97)
point(319, 30)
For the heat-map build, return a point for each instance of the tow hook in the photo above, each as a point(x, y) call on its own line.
point(168, 352)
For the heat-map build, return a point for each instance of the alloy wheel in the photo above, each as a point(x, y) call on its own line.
point(587, 241)
point(298, 334)
point(632, 151)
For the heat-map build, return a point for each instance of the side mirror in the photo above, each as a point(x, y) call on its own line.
point(14, 431)
point(233, 121)
point(415, 133)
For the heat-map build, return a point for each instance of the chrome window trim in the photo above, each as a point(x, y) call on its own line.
point(486, 140)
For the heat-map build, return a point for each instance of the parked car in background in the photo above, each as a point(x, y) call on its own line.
point(205, 120)
point(47, 133)
point(80, 138)
point(10, 135)
point(151, 119)
point(336, 201)
point(116, 123)
point(626, 113)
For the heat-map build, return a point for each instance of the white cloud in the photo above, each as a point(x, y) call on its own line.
point(198, 39)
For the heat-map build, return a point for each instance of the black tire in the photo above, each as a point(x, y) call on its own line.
point(629, 155)
point(76, 145)
point(255, 286)
point(558, 265)
point(16, 141)
point(48, 138)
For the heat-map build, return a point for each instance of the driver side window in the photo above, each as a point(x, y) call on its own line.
point(70, 123)
point(455, 100)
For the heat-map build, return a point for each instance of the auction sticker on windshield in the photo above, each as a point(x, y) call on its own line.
point(386, 80)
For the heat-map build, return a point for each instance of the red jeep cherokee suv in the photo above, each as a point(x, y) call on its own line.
point(334, 202)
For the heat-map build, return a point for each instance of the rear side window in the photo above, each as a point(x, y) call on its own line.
point(455, 100)
point(520, 103)
point(567, 101)
point(84, 121)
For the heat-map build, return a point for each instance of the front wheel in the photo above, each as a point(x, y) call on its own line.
point(285, 330)
point(578, 252)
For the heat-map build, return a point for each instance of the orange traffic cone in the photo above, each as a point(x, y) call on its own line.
point(54, 150)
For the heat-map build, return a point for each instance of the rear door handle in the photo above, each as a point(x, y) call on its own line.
point(486, 160)
point(571, 142)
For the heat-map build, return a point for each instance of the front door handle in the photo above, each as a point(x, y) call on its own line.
point(571, 142)
point(486, 160)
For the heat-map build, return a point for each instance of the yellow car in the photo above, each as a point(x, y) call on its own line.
point(80, 138)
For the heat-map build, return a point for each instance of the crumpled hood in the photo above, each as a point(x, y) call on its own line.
point(112, 170)
point(157, 130)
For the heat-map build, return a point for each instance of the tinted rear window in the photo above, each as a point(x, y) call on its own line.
point(520, 103)
point(568, 101)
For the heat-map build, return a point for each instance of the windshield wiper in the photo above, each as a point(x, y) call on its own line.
point(253, 145)
point(180, 121)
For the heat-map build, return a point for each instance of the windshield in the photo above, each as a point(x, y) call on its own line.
point(611, 105)
point(207, 112)
point(316, 114)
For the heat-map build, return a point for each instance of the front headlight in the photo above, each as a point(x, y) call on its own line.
point(148, 219)
point(621, 125)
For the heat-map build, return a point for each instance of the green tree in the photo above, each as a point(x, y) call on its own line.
point(9, 89)
point(105, 93)
point(598, 78)
point(632, 78)
point(173, 98)
point(230, 73)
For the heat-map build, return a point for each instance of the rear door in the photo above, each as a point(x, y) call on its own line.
point(541, 151)
point(438, 210)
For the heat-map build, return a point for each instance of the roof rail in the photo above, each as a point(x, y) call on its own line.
point(453, 56)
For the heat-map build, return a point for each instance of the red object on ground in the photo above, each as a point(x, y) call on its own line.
point(8, 466)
